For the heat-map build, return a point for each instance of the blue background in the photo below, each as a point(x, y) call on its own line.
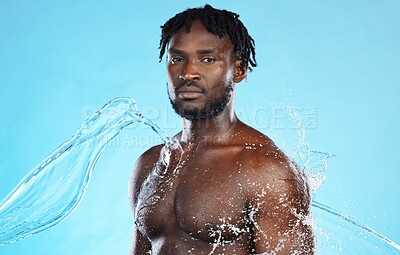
point(62, 60)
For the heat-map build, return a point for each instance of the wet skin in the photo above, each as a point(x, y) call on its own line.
point(228, 189)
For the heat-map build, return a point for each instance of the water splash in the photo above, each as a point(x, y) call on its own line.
point(50, 192)
point(336, 232)
point(313, 163)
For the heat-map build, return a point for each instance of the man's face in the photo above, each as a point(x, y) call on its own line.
point(200, 72)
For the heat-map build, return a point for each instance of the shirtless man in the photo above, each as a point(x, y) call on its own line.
point(222, 187)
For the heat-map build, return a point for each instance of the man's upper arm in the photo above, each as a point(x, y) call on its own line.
point(141, 244)
point(281, 213)
point(142, 168)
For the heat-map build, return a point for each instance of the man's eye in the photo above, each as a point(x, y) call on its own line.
point(176, 59)
point(208, 60)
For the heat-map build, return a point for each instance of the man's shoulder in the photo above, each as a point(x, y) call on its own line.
point(145, 163)
point(152, 152)
point(142, 168)
point(149, 157)
point(265, 165)
point(259, 148)
point(263, 159)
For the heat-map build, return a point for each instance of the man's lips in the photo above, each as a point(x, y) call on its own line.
point(189, 92)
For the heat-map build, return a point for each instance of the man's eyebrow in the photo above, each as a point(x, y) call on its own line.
point(206, 51)
point(174, 51)
point(203, 51)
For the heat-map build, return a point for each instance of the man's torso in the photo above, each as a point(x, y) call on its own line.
point(202, 206)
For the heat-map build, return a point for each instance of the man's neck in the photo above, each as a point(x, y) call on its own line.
point(209, 129)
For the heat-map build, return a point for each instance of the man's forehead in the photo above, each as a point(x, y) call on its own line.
point(199, 35)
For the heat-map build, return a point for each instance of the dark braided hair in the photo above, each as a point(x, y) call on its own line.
point(218, 22)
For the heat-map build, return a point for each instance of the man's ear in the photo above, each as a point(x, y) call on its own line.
point(240, 71)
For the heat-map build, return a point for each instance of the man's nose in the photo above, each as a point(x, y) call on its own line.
point(190, 72)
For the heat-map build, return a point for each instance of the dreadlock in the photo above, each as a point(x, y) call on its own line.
point(218, 22)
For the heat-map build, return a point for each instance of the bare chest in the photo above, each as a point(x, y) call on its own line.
point(204, 199)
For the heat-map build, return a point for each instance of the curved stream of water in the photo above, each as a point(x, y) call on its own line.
point(50, 192)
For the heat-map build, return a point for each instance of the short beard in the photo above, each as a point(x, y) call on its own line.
point(211, 109)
